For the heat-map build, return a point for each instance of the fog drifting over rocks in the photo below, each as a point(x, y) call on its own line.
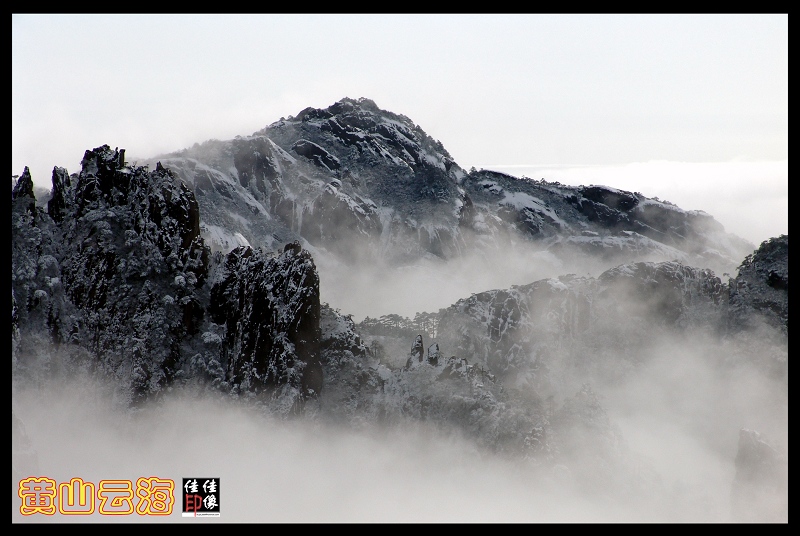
point(678, 413)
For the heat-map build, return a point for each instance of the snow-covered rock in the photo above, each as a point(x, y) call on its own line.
point(115, 277)
point(271, 312)
point(367, 184)
point(760, 291)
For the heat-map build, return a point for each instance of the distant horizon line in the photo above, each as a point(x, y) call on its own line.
point(660, 160)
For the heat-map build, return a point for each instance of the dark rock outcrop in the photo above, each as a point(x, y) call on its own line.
point(322, 175)
point(115, 276)
point(434, 354)
point(660, 292)
point(341, 223)
point(271, 311)
point(24, 186)
point(595, 223)
point(316, 154)
point(759, 294)
point(366, 184)
point(524, 332)
point(417, 352)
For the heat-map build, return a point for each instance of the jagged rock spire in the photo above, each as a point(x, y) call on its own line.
point(418, 349)
point(433, 354)
point(24, 186)
point(417, 352)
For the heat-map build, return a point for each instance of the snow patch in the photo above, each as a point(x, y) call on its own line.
point(220, 239)
point(520, 201)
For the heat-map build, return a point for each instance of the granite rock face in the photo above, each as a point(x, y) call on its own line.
point(271, 312)
point(115, 277)
point(524, 332)
point(760, 291)
point(370, 185)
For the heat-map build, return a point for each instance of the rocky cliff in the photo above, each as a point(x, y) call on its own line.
point(115, 277)
point(363, 183)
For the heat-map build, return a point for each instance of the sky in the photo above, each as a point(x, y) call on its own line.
point(689, 108)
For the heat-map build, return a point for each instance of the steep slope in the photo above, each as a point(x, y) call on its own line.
point(368, 192)
point(270, 310)
point(540, 334)
point(115, 278)
point(350, 176)
point(522, 334)
point(760, 291)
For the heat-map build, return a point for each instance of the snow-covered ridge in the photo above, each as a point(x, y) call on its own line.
point(279, 179)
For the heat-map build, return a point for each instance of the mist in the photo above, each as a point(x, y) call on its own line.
point(377, 288)
point(678, 414)
point(274, 471)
